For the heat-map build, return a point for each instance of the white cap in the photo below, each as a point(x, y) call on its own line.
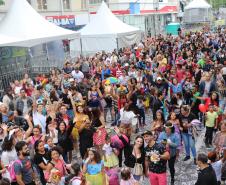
point(159, 78)
point(71, 80)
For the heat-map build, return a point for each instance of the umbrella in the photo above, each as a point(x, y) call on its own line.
point(112, 80)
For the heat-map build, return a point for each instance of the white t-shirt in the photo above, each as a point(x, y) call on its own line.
point(207, 89)
point(17, 90)
point(224, 70)
point(107, 148)
point(123, 80)
point(8, 157)
point(55, 139)
point(128, 117)
point(77, 76)
point(40, 119)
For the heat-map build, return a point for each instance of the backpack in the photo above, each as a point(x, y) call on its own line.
point(12, 171)
point(74, 178)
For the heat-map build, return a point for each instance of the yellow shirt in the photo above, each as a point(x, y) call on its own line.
point(211, 119)
point(163, 62)
point(79, 119)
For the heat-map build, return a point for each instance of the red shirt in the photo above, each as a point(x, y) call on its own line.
point(113, 71)
point(208, 102)
point(180, 75)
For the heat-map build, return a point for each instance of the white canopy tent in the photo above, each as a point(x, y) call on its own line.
point(105, 32)
point(27, 28)
point(197, 11)
point(5, 40)
point(197, 4)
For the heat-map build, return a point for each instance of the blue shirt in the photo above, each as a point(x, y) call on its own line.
point(177, 88)
point(105, 72)
point(94, 169)
point(174, 139)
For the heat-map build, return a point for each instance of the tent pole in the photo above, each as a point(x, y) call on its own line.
point(117, 44)
point(81, 45)
point(47, 52)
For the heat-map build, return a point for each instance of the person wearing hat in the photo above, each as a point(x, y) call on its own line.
point(156, 157)
point(38, 117)
point(172, 140)
point(161, 85)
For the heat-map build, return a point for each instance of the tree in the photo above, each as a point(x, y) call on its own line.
point(217, 3)
point(2, 2)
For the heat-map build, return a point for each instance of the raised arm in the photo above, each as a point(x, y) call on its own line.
point(30, 128)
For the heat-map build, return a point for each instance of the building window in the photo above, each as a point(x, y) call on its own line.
point(42, 4)
point(95, 1)
point(84, 5)
point(66, 4)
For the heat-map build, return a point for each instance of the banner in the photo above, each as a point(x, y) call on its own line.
point(9, 52)
point(65, 21)
point(134, 7)
point(220, 22)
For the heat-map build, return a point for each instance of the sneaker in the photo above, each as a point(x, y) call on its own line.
point(186, 158)
point(195, 161)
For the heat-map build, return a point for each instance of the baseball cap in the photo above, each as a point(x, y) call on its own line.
point(159, 78)
point(39, 102)
point(147, 132)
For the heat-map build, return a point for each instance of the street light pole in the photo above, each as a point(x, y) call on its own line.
point(62, 7)
point(87, 2)
point(156, 7)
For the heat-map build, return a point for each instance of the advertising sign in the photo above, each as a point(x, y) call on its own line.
point(65, 21)
point(12, 52)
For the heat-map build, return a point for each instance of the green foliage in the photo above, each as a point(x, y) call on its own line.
point(2, 2)
point(217, 3)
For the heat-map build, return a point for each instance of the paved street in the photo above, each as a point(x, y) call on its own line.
point(186, 172)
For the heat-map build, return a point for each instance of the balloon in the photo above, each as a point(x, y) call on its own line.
point(202, 108)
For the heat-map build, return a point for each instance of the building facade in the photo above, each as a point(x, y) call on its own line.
point(149, 15)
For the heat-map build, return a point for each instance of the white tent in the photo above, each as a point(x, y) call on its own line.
point(106, 32)
point(29, 28)
point(197, 4)
point(198, 11)
point(6, 40)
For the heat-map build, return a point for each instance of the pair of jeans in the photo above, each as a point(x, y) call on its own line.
point(158, 178)
point(189, 143)
point(209, 135)
point(142, 116)
point(65, 157)
point(171, 163)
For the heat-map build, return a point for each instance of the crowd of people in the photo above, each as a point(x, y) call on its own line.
point(86, 124)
